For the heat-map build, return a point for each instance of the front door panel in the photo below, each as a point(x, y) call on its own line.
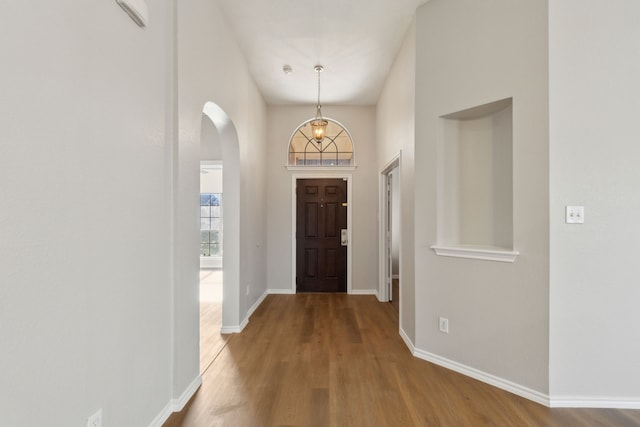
point(321, 258)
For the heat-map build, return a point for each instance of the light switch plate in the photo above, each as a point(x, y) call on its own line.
point(95, 420)
point(443, 325)
point(575, 215)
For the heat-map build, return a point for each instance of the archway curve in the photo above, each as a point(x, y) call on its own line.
point(230, 156)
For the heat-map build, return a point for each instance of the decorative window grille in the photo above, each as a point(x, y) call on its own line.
point(210, 225)
point(335, 150)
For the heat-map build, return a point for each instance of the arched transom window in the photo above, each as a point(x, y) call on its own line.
point(335, 150)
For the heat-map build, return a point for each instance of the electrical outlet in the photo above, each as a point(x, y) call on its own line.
point(574, 215)
point(443, 325)
point(95, 420)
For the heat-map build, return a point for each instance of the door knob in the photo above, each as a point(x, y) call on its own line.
point(344, 237)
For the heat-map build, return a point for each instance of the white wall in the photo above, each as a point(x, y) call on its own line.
point(85, 283)
point(283, 121)
point(211, 68)
point(210, 144)
point(395, 127)
point(211, 182)
point(595, 321)
point(103, 320)
point(470, 53)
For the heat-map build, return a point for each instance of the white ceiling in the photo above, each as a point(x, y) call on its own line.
point(355, 40)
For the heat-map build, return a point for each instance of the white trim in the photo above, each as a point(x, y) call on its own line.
point(211, 262)
point(162, 417)
point(321, 168)
point(391, 164)
point(363, 292)
point(383, 250)
point(522, 391)
point(486, 254)
point(211, 164)
point(235, 329)
point(383, 292)
point(407, 341)
point(281, 291)
point(333, 174)
point(255, 306)
point(177, 405)
point(490, 379)
point(239, 328)
point(594, 402)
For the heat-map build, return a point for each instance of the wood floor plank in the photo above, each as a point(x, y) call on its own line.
point(211, 340)
point(337, 360)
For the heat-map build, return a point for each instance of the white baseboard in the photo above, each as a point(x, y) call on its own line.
point(239, 328)
point(210, 262)
point(407, 341)
point(179, 403)
point(353, 292)
point(235, 329)
point(493, 380)
point(162, 417)
point(364, 292)
point(527, 393)
point(281, 291)
point(395, 276)
point(522, 391)
point(593, 402)
point(176, 405)
point(255, 306)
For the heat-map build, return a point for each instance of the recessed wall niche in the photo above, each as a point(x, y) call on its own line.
point(475, 195)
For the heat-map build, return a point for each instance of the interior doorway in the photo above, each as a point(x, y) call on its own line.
point(211, 244)
point(219, 141)
point(219, 232)
point(390, 232)
point(211, 255)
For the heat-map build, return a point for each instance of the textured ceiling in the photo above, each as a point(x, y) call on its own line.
point(355, 40)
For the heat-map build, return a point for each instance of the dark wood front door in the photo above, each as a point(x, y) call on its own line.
point(321, 215)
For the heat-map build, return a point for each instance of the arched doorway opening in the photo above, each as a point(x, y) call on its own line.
point(221, 140)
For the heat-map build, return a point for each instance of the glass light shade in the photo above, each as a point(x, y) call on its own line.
point(319, 128)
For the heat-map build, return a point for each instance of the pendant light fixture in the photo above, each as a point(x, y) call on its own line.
point(319, 125)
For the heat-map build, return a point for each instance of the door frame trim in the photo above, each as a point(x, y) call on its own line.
point(320, 175)
point(383, 247)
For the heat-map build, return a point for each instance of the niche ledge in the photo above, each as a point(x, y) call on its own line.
point(475, 252)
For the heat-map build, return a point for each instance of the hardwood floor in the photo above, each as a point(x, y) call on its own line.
point(337, 360)
point(395, 292)
point(211, 340)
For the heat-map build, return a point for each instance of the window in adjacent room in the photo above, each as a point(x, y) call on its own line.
point(210, 225)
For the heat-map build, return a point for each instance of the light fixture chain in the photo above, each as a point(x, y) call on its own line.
point(318, 70)
point(319, 125)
